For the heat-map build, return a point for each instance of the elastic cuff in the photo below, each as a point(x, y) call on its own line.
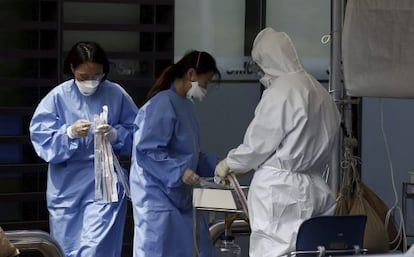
point(69, 132)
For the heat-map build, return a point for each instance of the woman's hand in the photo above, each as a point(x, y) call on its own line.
point(79, 129)
point(190, 177)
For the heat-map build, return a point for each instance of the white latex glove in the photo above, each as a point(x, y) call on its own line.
point(222, 169)
point(108, 131)
point(78, 129)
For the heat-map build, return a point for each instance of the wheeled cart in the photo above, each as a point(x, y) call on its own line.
point(223, 200)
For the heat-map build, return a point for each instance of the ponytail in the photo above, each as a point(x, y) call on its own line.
point(162, 83)
point(202, 62)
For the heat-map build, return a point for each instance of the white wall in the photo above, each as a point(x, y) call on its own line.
point(305, 21)
point(214, 26)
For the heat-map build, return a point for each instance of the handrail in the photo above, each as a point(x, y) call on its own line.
point(238, 227)
point(35, 240)
point(322, 252)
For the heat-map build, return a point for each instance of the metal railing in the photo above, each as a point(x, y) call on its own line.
point(34, 241)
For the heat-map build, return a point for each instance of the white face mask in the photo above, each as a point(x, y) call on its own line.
point(196, 91)
point(266, 80)
point(87, 87)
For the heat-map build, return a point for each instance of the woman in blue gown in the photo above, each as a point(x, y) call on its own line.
point(62, 135)
point(167, 161)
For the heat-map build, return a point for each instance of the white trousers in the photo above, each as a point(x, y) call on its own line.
point(278, 202)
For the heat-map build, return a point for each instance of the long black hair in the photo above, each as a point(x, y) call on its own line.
point(85, 51)
point(202, 62)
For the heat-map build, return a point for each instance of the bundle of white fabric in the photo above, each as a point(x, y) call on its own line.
point(107, 167)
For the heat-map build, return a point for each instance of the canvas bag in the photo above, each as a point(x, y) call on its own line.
point(376, 236)
point(395, 240)
point(355, 197)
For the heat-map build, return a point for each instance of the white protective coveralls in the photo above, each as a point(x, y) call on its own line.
point(288, 143)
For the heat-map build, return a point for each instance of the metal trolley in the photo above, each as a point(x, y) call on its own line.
point(222, 199)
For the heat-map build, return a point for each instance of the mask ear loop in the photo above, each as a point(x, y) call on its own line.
point(198, 59)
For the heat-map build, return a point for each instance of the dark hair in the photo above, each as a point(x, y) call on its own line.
point(85, 51)
point(202, 62)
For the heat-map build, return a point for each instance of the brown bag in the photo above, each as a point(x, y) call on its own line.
point(343, 201)
point(355, 197)
point(382, 209)
point(376, 236)
point(7, 249)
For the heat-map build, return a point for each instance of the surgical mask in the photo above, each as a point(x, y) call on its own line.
point(87, 87)
point(196, 91)
point(266, 80)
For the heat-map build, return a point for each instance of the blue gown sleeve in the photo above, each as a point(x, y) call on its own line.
point(155, 129)
point(125, 127)
point(48, 133)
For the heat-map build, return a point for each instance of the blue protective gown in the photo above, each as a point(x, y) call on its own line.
point(80, 224)
point(166, 142)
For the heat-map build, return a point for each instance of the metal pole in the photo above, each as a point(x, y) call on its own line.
point(195, 232)
point(336, 85)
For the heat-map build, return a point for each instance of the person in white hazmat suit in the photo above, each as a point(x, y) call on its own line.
point(288, 144)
